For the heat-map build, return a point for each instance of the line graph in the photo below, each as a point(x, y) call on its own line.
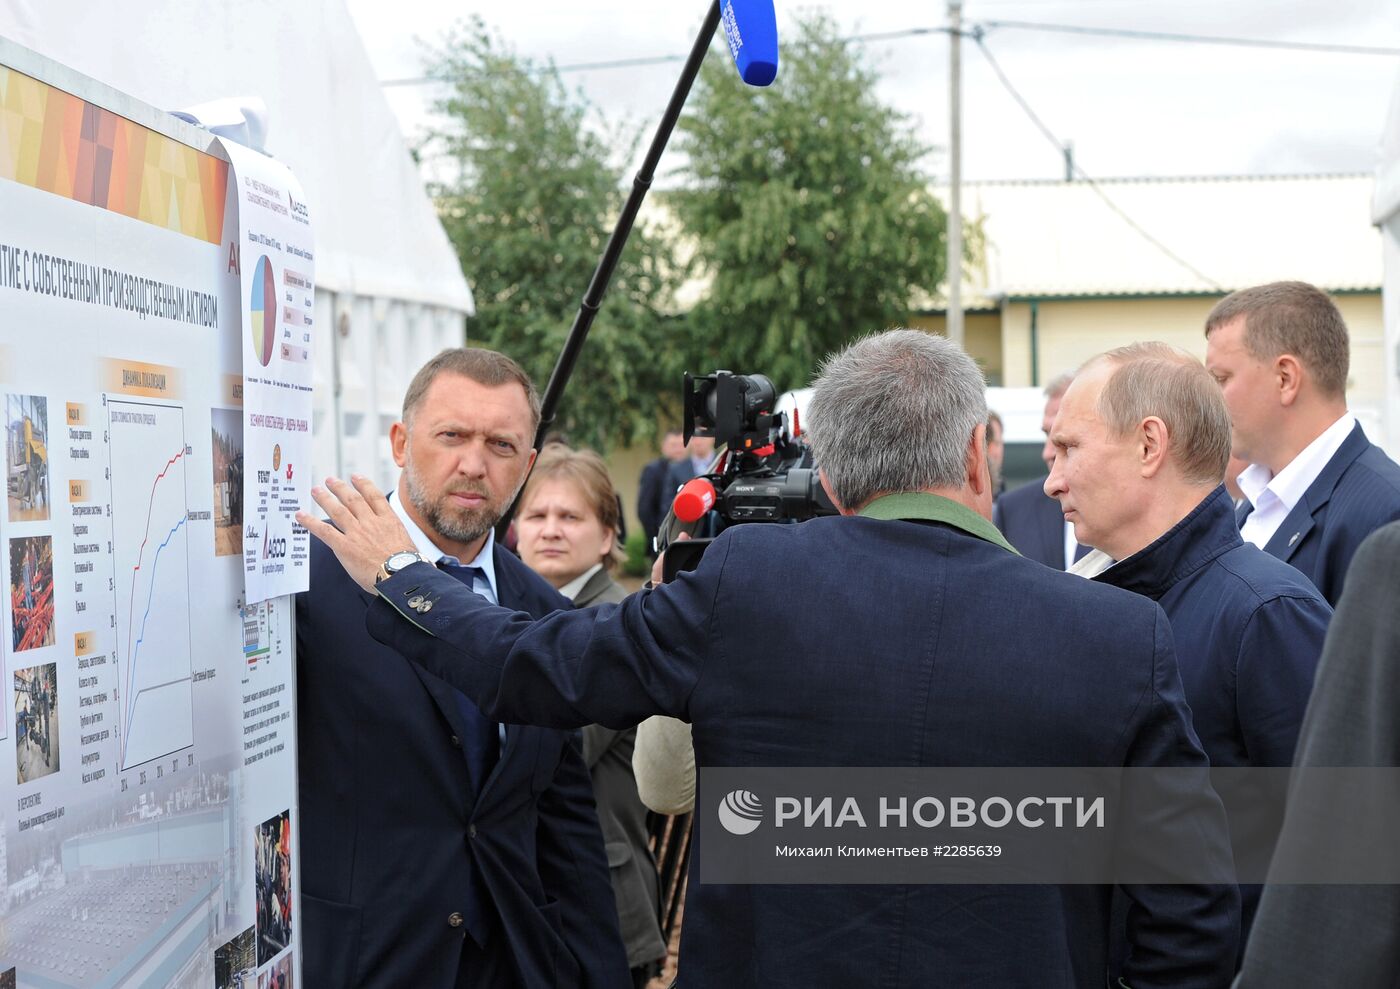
point(151, 574)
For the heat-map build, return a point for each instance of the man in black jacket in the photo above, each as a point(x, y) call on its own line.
point(653, 493)
point(1029, 518)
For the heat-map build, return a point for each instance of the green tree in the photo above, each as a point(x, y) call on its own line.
point(536, 195)
point(808, 209)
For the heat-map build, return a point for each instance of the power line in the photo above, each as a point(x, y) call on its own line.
point(1192, 39)
point(621, 63)
point(1049, 136)
point(914, 32)
point(630, 63)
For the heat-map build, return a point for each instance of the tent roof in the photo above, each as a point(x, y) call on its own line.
point(377, 233)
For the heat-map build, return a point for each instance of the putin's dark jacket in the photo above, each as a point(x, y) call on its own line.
point(1249, 631)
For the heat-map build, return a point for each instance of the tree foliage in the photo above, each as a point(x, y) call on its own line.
point(535, 198)
point(808, 208)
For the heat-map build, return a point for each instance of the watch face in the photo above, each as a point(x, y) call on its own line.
point(398, 561)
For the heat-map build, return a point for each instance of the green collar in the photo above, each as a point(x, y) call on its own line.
point(919, 505)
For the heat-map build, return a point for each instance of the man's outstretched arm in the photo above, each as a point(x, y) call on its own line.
point(613, 665)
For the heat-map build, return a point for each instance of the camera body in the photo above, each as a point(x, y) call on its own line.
point(765, 473)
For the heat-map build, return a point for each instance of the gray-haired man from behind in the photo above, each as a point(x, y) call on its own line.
point(876, 645)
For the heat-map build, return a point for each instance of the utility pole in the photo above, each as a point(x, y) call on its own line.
point(955, 248)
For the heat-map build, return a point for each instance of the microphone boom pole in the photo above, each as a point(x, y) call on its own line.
point(602, 275)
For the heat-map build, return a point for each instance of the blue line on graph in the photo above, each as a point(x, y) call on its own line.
point(136, 651)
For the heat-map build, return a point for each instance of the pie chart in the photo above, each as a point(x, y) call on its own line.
point(263, 310)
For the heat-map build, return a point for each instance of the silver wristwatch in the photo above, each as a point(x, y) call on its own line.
point(395, 563)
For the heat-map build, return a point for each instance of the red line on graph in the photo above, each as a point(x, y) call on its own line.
point(131, 605)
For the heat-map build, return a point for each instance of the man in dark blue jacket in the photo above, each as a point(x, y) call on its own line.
point(1316, 485)
point(1141, 442)
point(654, 494)
point(1029, 519)
point(440, 849)
point(869, 639)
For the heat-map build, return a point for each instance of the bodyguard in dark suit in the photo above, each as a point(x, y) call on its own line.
point(1142, 440)
point(1316, 486)
point(1030, 519)
point(653, 494)
point(884, 649)
point(1032, 522)
point(697, 459)
point(1357, 492)
point(439, 849)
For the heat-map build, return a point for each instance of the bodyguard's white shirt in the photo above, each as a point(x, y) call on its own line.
point(1274, 497)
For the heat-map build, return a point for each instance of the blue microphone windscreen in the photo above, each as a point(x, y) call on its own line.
point(751, 28)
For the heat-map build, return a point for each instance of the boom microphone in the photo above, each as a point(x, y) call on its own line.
point(693, 500)
point(751, 28)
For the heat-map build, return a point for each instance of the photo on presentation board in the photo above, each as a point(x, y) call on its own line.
point(31, 592)
point(228, 481)
point(235, 963)
point(272, 884)
point(27, 457)
point(278, 975)
point(36, 722)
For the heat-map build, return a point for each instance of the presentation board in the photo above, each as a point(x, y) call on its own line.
point(147, 744)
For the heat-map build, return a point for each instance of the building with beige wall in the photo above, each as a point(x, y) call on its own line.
point(1071, 269)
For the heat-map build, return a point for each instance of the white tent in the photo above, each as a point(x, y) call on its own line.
point(390, 292)
point(1385, 213)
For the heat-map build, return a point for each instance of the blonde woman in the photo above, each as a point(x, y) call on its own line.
point(567, 529)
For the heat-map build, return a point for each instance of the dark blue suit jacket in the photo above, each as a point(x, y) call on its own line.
point(1032, 522)
point(1249, 631)
point(677, 473)
point(1356, 493)
point(653, 497)
point(884, 648)
point(393, 835)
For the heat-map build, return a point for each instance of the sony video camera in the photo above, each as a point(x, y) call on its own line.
point(764, 475)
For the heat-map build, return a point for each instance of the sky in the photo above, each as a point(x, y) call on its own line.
point(1130, 107)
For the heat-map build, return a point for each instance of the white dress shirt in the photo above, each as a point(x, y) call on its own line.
point(484, 561)
point(1071, 545)
point(1273, 497)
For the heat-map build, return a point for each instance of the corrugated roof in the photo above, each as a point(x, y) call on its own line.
point(1057, 238)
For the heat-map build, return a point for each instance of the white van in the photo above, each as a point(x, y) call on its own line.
point(1020, 409)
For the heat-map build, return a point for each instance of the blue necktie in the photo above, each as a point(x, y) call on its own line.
point(480, 743)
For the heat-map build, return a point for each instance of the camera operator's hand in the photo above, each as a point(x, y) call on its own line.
point(658, 568)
